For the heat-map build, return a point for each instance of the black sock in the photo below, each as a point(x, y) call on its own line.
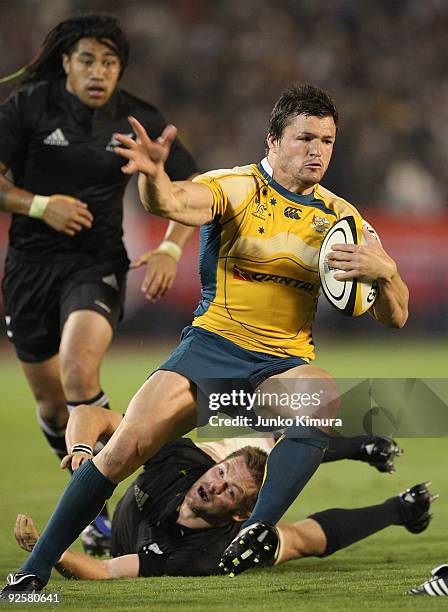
point(55, 437)
point(344, 527)
point(345, 448)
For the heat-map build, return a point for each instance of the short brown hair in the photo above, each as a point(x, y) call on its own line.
point(255, 459)
point(297, 100)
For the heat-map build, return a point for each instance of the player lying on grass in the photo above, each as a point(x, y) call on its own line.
point(97, 424)
point(188, 502)
point(319, 535)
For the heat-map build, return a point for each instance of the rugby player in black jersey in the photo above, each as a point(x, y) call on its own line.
point(65, 274)
point(189, 500)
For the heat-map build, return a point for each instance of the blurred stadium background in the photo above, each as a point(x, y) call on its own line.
point(215, 68)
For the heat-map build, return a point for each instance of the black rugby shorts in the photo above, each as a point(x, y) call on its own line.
point(40, 295)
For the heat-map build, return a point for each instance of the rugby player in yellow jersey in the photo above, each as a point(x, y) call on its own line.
point(261, 228)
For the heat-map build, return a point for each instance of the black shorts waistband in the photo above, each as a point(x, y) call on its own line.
point(115, 259)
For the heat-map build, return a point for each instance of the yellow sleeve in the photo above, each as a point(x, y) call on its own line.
point(232, 189)
point(220, 199)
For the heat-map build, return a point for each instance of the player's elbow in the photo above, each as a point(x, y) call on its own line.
point(401, 313)
point(395, 319)
point(401, 322)
point(398, 319)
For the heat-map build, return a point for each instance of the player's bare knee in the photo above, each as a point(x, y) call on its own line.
point(326, 388)
point(112, 465)
point(312, 391)
point(146, 447)
point(119, 458)
point(78, 378)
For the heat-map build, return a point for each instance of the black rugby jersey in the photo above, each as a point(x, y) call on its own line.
point(53, 143)
point(144, 521)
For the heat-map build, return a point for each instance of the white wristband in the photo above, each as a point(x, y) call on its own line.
point(170, 248)
point(38, 206)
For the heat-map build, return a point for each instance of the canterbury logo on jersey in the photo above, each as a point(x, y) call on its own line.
point(291, 212)
point(261, 277)
point(56, 139)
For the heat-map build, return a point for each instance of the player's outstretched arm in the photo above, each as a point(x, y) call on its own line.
point(371, 262)
point(80, 566)
point(182, 201)
point(63, 213)
point(76, 564)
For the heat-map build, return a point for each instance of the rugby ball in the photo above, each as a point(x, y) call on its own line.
point(351, 297)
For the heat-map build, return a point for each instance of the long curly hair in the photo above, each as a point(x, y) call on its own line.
point(63, 39)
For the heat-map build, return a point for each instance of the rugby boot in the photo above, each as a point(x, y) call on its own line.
point(96, 537)
point(416, 502)
point(436, 586)
point(21, 583)
point(254, 546)
point(380, 453)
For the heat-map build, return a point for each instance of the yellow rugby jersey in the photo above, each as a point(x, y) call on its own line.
point(258, 260)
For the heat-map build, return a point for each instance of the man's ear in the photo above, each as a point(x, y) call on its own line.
point(65, 62)
point(271, 142)
point(242, 516)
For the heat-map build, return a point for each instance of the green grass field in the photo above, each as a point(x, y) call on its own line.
point(371, 575)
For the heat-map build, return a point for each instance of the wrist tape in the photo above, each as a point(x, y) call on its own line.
point(170, 248)
point(38, 206)
point(82, 448)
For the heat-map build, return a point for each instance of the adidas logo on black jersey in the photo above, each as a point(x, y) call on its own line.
point(56, 139)
point(116, 143)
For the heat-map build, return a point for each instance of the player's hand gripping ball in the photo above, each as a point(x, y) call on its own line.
point(350, 297)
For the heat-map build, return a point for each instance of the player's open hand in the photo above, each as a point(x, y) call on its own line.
point(67, 215)
point(74, 460)
point(161, 270)
point(143, 154)
point(25, 533)
point(365, 262)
